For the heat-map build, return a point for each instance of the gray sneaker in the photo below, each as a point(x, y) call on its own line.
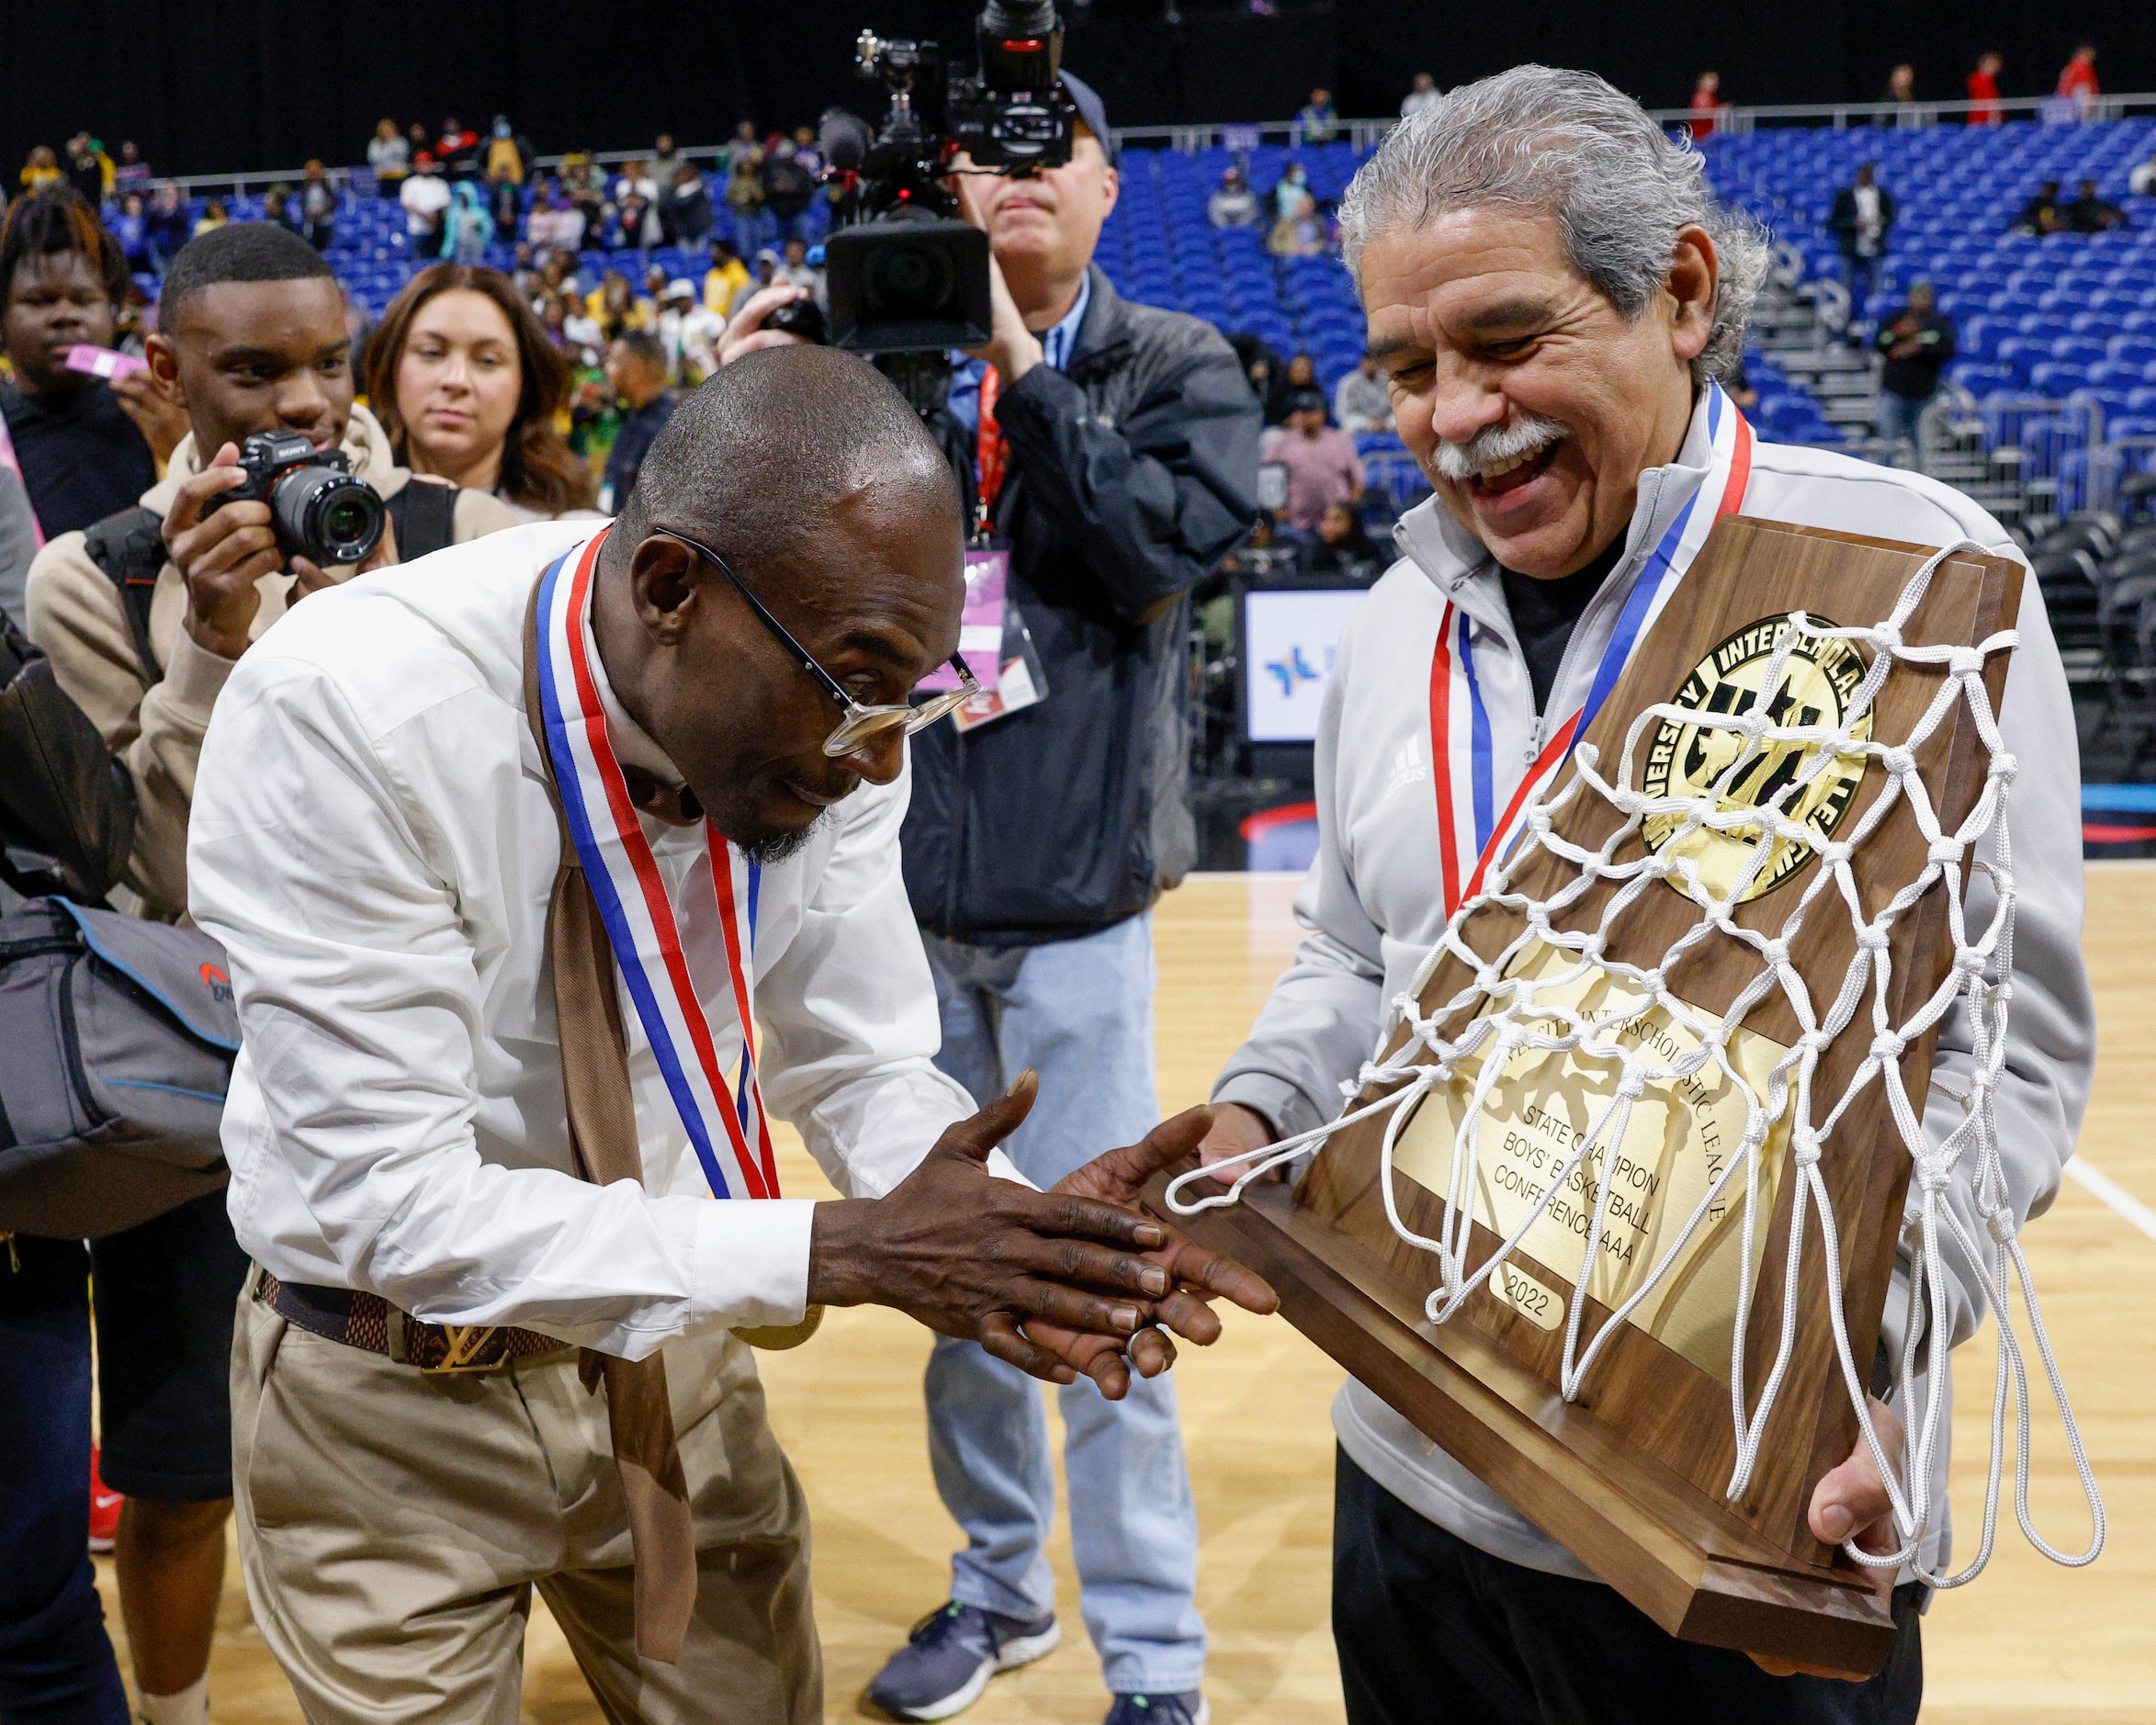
point(1160, 1709)
point(950, 1656)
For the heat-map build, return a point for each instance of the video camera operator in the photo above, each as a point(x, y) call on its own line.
point(1115, 447)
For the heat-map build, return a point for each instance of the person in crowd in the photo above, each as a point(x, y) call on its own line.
point(212, 217)
point(1863, 217)
point(649, 301)
point(1234, 204)
point(1423, 93)
point(690, 332)
point(727, 276)
point(167, 229)
point(1984, 91)
point(467, 229)
point(1291, 191)
point(388, 157)
point(2092, 212)
point(554, 224)
point(1341, 545)
point(318, 208)
point(1302, 372)
point(685, 214)
point(1606, 386)
point(1918, 345)
point(469, 389)
point(166, 1290)
point(1320, 459)
point(635, 372)
point(277, 205)
point(1317, 121)
point(584, 183)
point(788, 188)
point(1900, 84)
point(2042, 214)
point(805, 150)
point(768, 259)
point(458, 149)
point(1265, 373)
point(40, 168)
point(89, 170)
point(417, 138)
point(1706, 105)
point(130, 173)
point(1362, 400)
point(744, 188)
point(2077, 79)
point(85, 447)
point(508, 159)
point(634, 181)
point(425, 197)
point(665, 160)
point(1037, 912)
point(796, 271)
point(260, 291)
point(1298, 232)
point(613, 304)
point(633, 224)
point(796, 525)
point(130, 226)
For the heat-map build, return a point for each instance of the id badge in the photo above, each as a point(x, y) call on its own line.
point(995, 644)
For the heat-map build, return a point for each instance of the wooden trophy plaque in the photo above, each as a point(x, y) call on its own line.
point(1632, 1476)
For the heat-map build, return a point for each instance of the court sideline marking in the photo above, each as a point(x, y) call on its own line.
point(2101, 1186)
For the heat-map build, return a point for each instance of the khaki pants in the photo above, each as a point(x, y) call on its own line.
point(393, 1524)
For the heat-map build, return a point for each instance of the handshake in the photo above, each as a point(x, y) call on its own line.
point(1073, 1280)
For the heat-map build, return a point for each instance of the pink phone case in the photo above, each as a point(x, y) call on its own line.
point(103, 362)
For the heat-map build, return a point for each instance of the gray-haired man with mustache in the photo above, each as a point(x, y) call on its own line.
point(1551, 293)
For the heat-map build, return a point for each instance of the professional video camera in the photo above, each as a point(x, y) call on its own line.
point(906, 274)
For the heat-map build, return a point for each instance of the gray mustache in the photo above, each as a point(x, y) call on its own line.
point(1526, 434)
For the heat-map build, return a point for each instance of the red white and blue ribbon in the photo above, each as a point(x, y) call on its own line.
point(726, 1121)
point(1471, 832)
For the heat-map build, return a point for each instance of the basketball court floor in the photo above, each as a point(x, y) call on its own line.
point(2026, 1645)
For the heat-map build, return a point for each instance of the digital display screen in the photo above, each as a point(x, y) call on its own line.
point(1289, 640)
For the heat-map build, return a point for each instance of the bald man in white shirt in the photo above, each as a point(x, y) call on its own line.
point(375, 841)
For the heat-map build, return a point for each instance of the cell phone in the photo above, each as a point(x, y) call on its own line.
point(108, 363)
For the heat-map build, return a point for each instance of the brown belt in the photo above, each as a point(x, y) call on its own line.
point(368, 1321)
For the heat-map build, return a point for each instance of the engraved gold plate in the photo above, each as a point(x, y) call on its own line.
point(1684, 761)
point(1681, 1136)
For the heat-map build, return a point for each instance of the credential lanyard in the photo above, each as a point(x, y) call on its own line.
point(725, 1123)
point(1461, 759)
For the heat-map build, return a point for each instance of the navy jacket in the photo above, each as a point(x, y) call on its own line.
point(1133, 471)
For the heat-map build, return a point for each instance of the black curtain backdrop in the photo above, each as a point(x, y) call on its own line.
point(266, 83)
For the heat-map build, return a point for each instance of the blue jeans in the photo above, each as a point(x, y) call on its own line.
point(1080, 1014)
point(1897, 415)
point(56, 1664)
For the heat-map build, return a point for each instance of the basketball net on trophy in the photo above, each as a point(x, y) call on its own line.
point(1722, 797)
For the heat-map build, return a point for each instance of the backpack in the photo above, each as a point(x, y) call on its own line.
point(129, 547)
point(67, 808)
point(120, 1035)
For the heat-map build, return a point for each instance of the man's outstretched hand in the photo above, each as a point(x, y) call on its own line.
point(1056, 1282)
point(1198, 1276)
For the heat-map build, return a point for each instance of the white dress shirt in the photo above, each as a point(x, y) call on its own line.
point(374, 843)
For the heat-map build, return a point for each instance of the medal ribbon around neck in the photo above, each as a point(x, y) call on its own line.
point(725, 1123)
point(1471, 835)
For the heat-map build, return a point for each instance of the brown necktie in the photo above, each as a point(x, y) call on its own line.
point(603, 1130)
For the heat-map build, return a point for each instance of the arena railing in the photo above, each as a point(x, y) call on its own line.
point(1365, 133)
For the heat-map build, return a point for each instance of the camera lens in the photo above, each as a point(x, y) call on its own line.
point(907, 281)
point(326, 516)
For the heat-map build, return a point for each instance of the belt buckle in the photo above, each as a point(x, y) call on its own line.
point(465, 1341)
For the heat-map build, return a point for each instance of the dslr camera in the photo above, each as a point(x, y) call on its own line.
point(906, 274)
point(319, 509)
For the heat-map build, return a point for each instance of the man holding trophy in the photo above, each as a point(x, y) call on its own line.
point(1551, 293)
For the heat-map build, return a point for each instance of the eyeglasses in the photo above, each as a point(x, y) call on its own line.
point(861, 723)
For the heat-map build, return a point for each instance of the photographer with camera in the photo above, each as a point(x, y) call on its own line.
point(143, 618)
point(144, 615)
point(1114, 447)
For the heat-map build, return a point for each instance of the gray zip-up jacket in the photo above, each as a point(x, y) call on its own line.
point(1373, 905)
